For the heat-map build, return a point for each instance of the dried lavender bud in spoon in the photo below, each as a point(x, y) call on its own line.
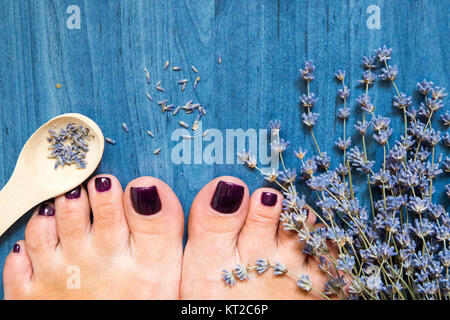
point(69, 146)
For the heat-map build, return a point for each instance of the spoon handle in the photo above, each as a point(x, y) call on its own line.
point(16, 199)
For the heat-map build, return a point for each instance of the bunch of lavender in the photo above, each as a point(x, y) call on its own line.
point(397, 249)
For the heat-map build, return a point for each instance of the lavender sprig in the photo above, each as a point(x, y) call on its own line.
point(401, 250)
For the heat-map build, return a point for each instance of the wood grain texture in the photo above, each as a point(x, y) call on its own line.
point(262, 44)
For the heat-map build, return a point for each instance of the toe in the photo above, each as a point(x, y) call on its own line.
point(260, 229)
point(218, 213)
point(216, 217)
point(109, 229)
point(17, 272)
point(41, 238)
point(154, 215)
point(72, 218)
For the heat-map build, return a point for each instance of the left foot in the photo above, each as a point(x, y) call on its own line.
point(132, 250)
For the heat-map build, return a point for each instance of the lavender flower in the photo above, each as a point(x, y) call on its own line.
point(344, 113)
point(340, 75)
point(304, 282)
point(343, 144)
point(425, 86)
point(308, 72)
point(308, 101)
point(369, 63)
point(368, 78)
point(389, 73)
point(229, 278)
point(402, 102)
point(279, 269)
point(344, 93)
point(300, 153)
point(241, 272)
point(262, 265)
point(383, 54)
point(310, 119)
point(446, 119)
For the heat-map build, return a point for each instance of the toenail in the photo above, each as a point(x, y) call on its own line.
point(268, 199)
point(145, 200)
point(307, 211)
point(46, 210)
point(16, 248)
point(74, 194)
point(102, 184)
point(228, 197)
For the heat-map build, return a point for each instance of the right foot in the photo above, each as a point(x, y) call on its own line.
point(227, 228)
point(132, 250)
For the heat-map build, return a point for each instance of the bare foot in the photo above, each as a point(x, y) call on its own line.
point(227, 228)
point(132, 250)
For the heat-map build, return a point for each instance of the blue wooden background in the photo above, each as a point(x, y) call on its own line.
point(262, 44)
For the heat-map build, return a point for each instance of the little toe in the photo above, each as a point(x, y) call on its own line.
point(73, 218)
point(41, 238)
point(109, 228)
point(154, 215)
point(260, 229)
point(17, 272)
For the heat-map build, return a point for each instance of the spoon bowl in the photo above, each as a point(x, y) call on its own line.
point(35, 179)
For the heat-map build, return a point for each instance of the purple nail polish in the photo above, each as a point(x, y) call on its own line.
point(268, 199)
point(102, 184)
point(228, 197)
point(74, 194)
point(16, 248)
point(145, 200)
point(46, 210)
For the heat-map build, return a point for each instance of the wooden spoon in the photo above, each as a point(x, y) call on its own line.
point(35, 180)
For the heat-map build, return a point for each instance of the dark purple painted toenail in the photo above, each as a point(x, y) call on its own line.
point(228, 197)
point(16, 248)
point(74, 194)
point(145, 200)
point(46, 210)
point(102, 184)
point(268, 199)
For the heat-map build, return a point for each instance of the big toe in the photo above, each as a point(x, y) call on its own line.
point(154, 215)
point(156, 221)
point(215, 220)
point(217, 215)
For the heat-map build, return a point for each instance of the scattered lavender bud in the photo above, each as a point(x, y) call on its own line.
point(183, 124)
point(110, 141)
point(147, 75)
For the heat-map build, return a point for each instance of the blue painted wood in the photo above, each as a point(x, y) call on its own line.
point(262, 44)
